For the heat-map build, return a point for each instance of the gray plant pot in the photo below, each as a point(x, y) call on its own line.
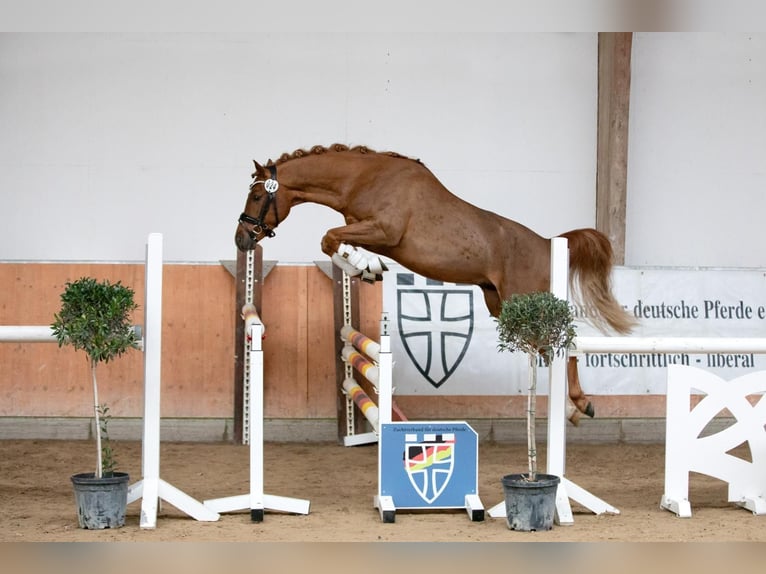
point(530, 506)
point(101, 502)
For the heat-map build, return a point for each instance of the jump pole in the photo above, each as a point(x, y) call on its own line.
point(379, 374)
point(352, 350)
point(256, 500)
point(151, 488)
point(26, 334)
point(558, 386)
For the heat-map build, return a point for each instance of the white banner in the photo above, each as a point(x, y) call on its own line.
point(444, 341)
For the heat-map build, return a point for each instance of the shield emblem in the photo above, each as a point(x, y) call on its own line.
point(435, 326)
point(429, 463)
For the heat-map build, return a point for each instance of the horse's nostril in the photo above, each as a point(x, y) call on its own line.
point(244, 241)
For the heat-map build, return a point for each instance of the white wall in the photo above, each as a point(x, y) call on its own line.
point(697, 150)
point(105, 138)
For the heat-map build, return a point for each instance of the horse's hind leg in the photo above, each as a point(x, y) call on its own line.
point(576, 395)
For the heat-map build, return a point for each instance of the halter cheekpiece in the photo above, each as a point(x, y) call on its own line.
point(271, 186)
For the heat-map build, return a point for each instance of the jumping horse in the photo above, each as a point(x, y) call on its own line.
point(395, 207)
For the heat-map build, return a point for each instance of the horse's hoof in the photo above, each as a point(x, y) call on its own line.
point(368, 277)
point(347, 267)
point(574, 418)
point(573, 415)
point(590, 411)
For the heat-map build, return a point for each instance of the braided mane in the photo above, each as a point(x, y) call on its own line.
point(337, 148)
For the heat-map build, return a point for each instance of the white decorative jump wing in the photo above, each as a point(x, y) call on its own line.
point(687, 451)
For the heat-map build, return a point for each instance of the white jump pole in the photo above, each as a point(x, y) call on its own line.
point(556, 455)
point(558, 382)
point(386, 374)
point(26, 334)
point(558, 391)
point(151, 487)
point(256, 500)
point(691, 345)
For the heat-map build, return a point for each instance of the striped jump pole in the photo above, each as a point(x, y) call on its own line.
point(361, 342)
point(361, 364)
point(373, 361)
point(363, 402)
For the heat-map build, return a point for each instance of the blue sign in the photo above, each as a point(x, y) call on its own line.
point(428, 465)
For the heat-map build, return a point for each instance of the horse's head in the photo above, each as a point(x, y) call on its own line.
point(262, 209)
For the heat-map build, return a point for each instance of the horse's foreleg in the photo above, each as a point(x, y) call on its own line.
point(341, 245)
point(354, 262)
point(367, 233)
point(576, 395)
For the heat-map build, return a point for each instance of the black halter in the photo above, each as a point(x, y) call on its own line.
point(258, 223)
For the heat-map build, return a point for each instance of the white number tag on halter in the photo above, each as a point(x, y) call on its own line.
point(271, 185)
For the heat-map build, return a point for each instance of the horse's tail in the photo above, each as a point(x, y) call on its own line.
point(590, 267)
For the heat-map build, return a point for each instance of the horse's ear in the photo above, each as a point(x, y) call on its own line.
point(259, 169)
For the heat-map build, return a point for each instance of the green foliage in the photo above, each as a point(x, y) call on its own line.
point(537, 323)
point(95, 318)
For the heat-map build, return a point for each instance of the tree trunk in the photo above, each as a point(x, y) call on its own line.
point(99, 467)
point(531, 415)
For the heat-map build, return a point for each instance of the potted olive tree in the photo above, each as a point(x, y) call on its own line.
point(95, 318)
point(540, 325)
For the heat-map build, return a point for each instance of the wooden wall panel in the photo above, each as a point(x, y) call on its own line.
point(197, 341)
point(285, 354)
point(502, 407)
point(299, 349)
point(320, 343)
point(39, 379)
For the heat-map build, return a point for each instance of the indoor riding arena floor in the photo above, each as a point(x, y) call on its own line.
point(37, 500)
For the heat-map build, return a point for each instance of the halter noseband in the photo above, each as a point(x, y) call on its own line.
point(271, 186)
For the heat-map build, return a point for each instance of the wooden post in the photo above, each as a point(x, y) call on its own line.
point(614, 51)
point(340, 368)
point(242, 296)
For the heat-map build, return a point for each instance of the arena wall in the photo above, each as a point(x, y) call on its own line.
point(46, 389)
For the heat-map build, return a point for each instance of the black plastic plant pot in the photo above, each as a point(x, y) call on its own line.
point(530, 505)
point(101, 502)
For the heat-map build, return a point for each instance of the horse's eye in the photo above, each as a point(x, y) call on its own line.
point(256, 197)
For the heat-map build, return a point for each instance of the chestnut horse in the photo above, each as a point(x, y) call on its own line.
point(395, 207)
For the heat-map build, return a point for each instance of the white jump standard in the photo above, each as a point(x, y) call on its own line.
point(256, 500)
point(151, 487)
point(686, 451)
point(690, 449)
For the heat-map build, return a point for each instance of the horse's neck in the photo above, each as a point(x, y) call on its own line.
point(324, 179)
